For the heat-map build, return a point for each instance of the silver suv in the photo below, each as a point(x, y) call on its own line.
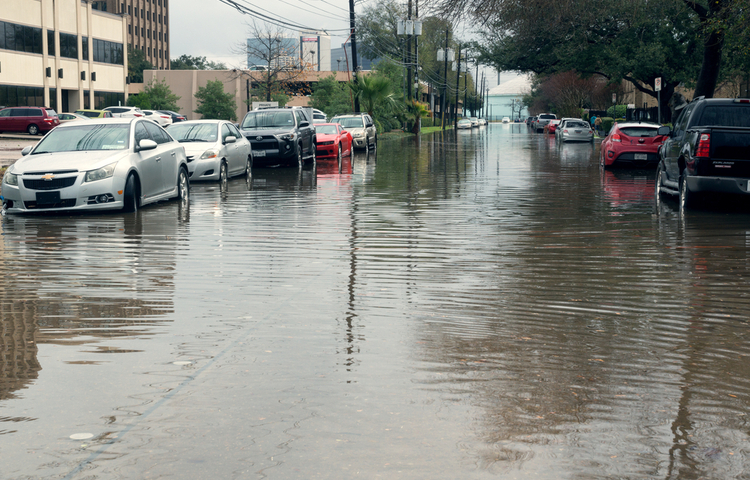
point(360, 125)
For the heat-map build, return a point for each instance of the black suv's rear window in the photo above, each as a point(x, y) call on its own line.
point(726, 115)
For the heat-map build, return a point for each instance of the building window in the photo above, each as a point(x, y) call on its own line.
point(20, 38)
point(148, 16)
point(141, 13)
point(68, 45)
point(130, 29)
point(142, 34)
point(136, 11)
point(122, 7)
point(14, 96)
point(50, 42)
point(85, 48)
point(130, 9)
point(108, 52)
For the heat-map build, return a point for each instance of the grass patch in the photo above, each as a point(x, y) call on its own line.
point(401, 133)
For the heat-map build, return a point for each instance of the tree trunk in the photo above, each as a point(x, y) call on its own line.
point(709, 74)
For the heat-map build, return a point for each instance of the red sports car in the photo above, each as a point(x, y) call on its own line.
point(332, 140)
point(632, 144)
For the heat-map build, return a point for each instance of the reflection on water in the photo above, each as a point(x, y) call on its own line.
point(475, 304)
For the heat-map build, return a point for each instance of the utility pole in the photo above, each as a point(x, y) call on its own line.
point(445, 81)
point(416, 49)
point(409, 80)
point(476, 92)
point(458, 83)
point(482, 111)
point(354, 51)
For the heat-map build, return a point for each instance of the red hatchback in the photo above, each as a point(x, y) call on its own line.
point(332, 140)
point(631, 144)
point(34, 120)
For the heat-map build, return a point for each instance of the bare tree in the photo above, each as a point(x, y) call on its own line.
point(273, 56)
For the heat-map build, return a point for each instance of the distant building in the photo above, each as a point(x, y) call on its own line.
point(147, 22)
point(500, 98)
point(62, 54)
point(340, 56)
point(316, 51)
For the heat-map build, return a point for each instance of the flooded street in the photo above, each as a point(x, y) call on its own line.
point(478, 305)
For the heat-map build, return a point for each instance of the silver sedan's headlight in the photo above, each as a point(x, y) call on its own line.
point(10, 178)
point(210, 153)
point(100, 173)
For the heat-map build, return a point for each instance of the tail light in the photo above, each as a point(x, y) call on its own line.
point(565, 130)
point(137, 114)
point(164, 116)
point(704, 145)
point(616, 137)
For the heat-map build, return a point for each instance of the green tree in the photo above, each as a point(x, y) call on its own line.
point(155, 96)
point(375, 94)
point(188, 62)
point(137, 63)
point(331, 96)
point(213, 103)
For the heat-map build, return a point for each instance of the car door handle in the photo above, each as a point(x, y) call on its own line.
point(158, 159)
point(173, 154)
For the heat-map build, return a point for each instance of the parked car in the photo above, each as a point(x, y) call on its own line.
point(215, 149)
point(94, 113)
point(71, 117)
point(32, 120)
point(161, 118)
point(631, 144)
point(532, 122)
point(551, 127)
point(125, 112)
point(574, 130)
point(176, 117)
point(360, 125)
point(528, 121)
point(506, 120)
point(541, 120)
point(333, 140)
point(104, 164)
point(708, 151)
point(319, 116)
point(464, 123)
point(474, 121)
point(280, 134)
point(482, 122)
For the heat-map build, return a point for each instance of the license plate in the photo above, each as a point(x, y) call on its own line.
point(259, 153)
point(578, 131)
point(641, 156)
point(47, 198)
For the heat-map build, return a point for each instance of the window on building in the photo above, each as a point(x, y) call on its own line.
point(85, 48)
point(136, 11)
point(142, 33)
point(122, 7)
point(20, 38)
point(148, 16)
point(108, 52)
point(50, 42)
point(68, 45)
point(130, 9)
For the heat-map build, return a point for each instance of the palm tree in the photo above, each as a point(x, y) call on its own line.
point(373, 90)
point(415, 111)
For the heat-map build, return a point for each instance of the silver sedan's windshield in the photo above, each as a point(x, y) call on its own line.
point(268, 120)
point(195, 132)
point(85, 137)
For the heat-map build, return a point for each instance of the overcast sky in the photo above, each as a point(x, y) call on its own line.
point(212, 29)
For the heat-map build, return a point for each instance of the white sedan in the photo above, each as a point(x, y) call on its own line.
point(161, 118)
point(120, 163)
point(215, 149)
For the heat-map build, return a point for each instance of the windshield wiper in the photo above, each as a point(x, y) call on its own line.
point(191, 140)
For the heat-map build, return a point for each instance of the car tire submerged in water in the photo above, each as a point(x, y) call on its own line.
point(223, 172)
point(687, 198)
point(658, 182)
point(183, 185)
point(339, 154)
point(130, 199)
point(300, 160)
point(249, 166)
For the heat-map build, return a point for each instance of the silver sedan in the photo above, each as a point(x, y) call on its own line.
point(215, 149)
point(574, 130)
point(97, 165)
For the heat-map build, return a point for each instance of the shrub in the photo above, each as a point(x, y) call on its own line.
point(607, 123)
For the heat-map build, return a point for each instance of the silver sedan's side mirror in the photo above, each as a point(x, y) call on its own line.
point(230, 139)
point(146, 144)
point(26, 150)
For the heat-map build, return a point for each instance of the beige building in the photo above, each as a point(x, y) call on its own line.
point(62, 54)
point(148, 30)
point(185, 83)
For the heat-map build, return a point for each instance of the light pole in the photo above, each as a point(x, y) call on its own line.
point(443, 56)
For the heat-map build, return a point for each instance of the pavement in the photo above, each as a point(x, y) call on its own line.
point(12, 144)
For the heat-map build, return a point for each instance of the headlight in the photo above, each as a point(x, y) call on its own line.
point(10, 178)
point(209, 154)
point(358, 134)
point(100, 173)
point(290, 137)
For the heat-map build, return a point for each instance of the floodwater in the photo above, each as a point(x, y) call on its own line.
point(481, 305)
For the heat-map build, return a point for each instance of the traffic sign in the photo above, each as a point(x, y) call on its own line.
point(657, 85)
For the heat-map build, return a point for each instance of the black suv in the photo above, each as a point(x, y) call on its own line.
point(280, 134)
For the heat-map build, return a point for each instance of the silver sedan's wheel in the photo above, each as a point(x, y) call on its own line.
point(130, 199)
point(223, 172)
point(183, 185)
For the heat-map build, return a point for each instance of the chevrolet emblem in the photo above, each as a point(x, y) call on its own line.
point(48, 177)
